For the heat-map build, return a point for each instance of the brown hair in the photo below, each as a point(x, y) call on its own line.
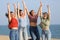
point(20, 11)
point(31, 12)
point(7, 14)
point(46, 14)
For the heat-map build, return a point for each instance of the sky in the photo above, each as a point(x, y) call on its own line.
point(31, 4)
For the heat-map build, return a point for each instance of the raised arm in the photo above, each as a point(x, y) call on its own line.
point(18, 10)
point(27, 11)
point(48, 10)
point(38, 13)
point(40, 8)
point(15, 11)
point(24, 6)
point(9, 15)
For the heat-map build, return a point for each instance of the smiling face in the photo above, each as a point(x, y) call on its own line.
point(45, 15)
point(12, 15)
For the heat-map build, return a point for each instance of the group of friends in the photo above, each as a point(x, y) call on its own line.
point(18, 22)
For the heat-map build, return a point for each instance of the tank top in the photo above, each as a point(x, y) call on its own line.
point(13, 23)
point(33, 18)
point(23, 22)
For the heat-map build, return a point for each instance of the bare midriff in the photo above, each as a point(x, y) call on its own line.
point(33, 24)
point(45, 28)
point(33, 20)
point(14, 28)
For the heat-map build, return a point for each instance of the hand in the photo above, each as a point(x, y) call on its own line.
point(40, 4)
point(18, 5)
point(22, 1)
point(8, 5)
point(24, 4)
point(47, 6)
point(14, 5)
point(48, 10)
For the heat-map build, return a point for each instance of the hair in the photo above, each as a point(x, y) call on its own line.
point(7, 14)
point(20, 11)
point(31, 12)
point(46, 14)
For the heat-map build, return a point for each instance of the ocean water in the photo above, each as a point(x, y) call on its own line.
point(55, 30)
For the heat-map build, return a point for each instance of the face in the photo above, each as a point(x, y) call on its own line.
point(32, 12)
point(12, 15)
point(44, 16)
point(21, 13)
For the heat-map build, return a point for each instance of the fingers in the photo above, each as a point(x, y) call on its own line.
point(14, 5)
point(22, 1)
point(8, 5)
point(24, 4)
point(18, 5)
point(47, 6)
point(40, 4)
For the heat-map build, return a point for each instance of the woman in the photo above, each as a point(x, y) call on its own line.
point(45, 23)
point(33, 23)
point(22, 23)
point(13, 23)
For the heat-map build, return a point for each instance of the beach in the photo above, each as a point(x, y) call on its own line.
point(55, 31)
point(4, 37)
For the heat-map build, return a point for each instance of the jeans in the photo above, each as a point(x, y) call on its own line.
point(23, 35)
point(46, 34)
point(34, 30)
point(13, 34)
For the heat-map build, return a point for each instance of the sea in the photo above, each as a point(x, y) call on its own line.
point(55, 30)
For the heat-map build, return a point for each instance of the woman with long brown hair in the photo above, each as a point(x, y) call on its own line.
point(33, 23)
point(45, 23)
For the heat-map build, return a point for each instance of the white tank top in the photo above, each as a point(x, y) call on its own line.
point(23, 22)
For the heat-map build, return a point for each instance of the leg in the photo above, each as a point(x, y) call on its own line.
point(49, 35)
point(31, 33)
point(16, 35)
point(36, 32)
point(43, 35)
point(25, 33)
point(12, 35)
point(18, 32)
point(21, 34)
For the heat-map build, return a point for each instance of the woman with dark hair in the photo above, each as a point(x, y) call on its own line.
point(22, 16)
point(45, 23)
point(13, 23)
point(33, 23)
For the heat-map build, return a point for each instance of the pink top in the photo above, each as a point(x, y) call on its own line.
point(33, 18)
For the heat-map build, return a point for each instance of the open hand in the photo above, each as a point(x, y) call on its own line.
point(40, 4)
point(8, 5)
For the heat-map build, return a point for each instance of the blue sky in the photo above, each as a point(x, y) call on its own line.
point(32, 4)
